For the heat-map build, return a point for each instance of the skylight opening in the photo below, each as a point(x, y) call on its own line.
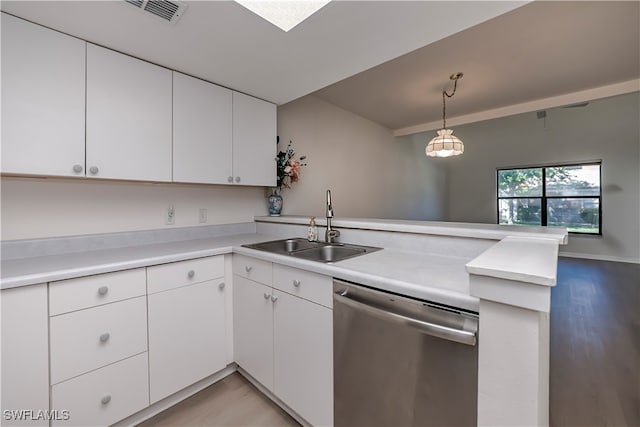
point(284, 14)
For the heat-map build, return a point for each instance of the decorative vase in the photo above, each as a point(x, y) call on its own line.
point(275, 204)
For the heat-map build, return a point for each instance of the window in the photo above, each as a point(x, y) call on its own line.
point(556, 196)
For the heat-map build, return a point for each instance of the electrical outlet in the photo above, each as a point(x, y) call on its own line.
point(170, 219)
point(202, 215)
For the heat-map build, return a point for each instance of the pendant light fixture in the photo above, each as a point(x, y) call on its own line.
point(446, 144)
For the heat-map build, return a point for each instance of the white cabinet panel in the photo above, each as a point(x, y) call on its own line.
point(202, 124)
point(253, 329)
point(43, 100)
point(303, 360)
point(104, 396)
point(304, 284)
point(187, 336)
point(91, 291)
point(25, 353)
point(128, 117)
point(91, 338)
point(254, 141)
point(173, 275)
point(253, 269)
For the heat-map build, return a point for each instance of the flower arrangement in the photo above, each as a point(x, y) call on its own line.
point(288, 167)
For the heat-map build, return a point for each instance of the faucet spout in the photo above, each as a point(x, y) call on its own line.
point(330, 234)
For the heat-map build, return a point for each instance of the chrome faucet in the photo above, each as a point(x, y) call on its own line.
point(330, 234)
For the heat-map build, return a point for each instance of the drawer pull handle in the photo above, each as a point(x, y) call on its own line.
point(296, 283)
point(248, 268)
point(274, 298)
point(105, 337)
point(266, 295)
point(106, 399)
point(102, 290)
point(221, 286)
point(191, 273)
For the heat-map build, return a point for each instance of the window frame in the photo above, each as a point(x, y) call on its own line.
point(543, 198)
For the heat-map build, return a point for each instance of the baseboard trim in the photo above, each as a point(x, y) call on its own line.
point(599, 257)
point(176, 398)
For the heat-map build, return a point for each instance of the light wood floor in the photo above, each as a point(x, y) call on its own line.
point(230, 402)
point(594, 366)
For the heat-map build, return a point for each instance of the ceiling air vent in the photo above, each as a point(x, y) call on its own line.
point(168, 11)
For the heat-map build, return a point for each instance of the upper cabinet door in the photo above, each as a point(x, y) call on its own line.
point(254, 141)
point(43, 100)
point(202, 125)
point(128, 117)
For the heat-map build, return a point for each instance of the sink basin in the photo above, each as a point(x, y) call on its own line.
point(330, 253)
point(314, 251)
point(285, 246)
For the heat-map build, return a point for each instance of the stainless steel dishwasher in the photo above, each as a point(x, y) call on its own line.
point(402, 362)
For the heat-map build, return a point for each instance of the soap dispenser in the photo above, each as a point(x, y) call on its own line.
point(312, 230)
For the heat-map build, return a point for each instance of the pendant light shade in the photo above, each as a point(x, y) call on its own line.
point(446, 144)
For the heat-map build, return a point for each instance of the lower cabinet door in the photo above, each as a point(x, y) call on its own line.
point(187, 336)
point(24, 354)
point(104, 396)
point(253, 329)
point(303, 343)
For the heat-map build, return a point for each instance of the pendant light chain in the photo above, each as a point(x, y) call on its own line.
point(444, 107)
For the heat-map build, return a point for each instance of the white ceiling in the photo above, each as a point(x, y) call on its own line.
point(225, 43)
point(539, 51)
point(387, 61)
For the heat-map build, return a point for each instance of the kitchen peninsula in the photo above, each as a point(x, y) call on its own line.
point(502, 273)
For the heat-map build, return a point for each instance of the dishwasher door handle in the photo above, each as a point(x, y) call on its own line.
point(444, 332)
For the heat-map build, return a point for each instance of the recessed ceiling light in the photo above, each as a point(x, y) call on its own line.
point(284, 14)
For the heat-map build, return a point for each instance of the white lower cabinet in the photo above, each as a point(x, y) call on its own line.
point(253, 329)
point(25, 362)
point(88, 339)
point(303, 357)
point(286, 342)
point(187, 324)
point(104, 396)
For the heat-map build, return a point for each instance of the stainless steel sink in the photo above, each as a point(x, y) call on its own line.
point(314, 251)
point(284, 246)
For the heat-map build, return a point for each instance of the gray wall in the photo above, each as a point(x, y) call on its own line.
point(370, 173)
point(606, 129)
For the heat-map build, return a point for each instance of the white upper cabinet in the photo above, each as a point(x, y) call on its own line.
point(254, 141)
point(202, 126)
point(128, 117)
point(43, 100)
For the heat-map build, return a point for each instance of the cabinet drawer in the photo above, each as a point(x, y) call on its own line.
point(169, 276)
point(84, 292)
point(310, 286)
point(88, 339)
point(252, 269)
point(104, 396)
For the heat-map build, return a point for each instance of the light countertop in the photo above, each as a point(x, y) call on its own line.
point(436, 278)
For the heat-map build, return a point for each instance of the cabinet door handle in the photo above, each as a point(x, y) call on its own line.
point(274, 298)
point(77, 168)
point(229, 178)
point(248, 268)
point(296, 283)
point(221, 286)
point(266, 295)
point(106, 399)
point(191, 273)
point(237, 179)
point(105, 337)
point(102, 290)
point(94, 170)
